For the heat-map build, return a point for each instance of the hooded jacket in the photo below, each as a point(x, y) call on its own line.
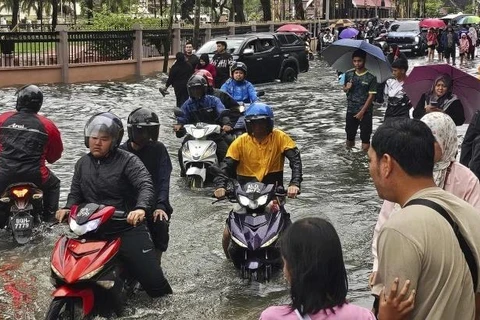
point(208, 66)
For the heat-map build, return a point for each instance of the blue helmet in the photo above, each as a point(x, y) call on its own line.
point(258, 111)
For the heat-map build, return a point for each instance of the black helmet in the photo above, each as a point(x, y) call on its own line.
point(104, 122)
point(197, 86)
point(143, 126)
point(238, 66)
point(29, 98)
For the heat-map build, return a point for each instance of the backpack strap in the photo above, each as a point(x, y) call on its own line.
point(467, 252)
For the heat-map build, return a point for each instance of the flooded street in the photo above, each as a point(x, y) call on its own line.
point(336, 186)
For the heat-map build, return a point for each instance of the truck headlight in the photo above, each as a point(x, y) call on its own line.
point(417, 39)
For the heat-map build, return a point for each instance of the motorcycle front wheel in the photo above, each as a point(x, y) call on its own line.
point(195, 182)
point(65, 309)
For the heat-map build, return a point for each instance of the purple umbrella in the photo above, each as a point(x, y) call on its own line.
point(348, 33)
point(465, 86)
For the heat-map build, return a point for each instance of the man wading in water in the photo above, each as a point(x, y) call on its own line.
point(360, 87)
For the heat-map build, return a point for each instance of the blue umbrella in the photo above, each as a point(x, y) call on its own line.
point(339, 56)
point(348, 33)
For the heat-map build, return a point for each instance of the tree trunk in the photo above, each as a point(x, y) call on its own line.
point(54, 14)
point(299, 11)
point(89, 10)
point(167, 43)
point(238, 11)
point(15, 11)
point(267, 10)
point(74, 2)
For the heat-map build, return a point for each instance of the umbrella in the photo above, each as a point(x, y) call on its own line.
point(348, 33)
point(432, 23)
point(342, 23)
point(296, 28)
point(465, 86)
point(469, 20)
point(339, 56)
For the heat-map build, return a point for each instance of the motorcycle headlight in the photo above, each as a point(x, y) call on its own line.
point(198, 133)
point(269, 242)
point(209, 151)
point(244, 201)
point(186, 151)
point(262, 200)
point(84, 228)
point(239, 242)
point(91, 274)
point(57, 273)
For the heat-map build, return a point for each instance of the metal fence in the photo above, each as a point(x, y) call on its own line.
point(28, 48)
point(155, 43)
point(97, 46)
point(220, 31)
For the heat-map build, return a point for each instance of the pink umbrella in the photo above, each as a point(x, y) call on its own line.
point(432, 23)
point(296, 28)
point(465, 86)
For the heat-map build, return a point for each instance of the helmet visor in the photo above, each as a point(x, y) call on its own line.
point(102, 126)
point(141, 135)
point(196, 92)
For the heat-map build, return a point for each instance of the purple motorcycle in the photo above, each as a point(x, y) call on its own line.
point(255, 223)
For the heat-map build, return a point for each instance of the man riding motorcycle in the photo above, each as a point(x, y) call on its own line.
point(143, 129)
point(27, 139)
point(201, 107)
point(114, 177)
point(259, 156)
point(240, 89)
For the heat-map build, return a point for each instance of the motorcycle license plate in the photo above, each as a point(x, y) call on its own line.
point(24, 222)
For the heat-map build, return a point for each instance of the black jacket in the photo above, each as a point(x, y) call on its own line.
point(157, 161)
point(179, 74)
point(192, 60)
point(120, 180)
point(470, 154)
point(455, 111)
point(222, 62)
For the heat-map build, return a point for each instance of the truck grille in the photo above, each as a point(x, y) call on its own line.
point(400, 40)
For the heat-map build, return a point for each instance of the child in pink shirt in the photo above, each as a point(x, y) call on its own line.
point(464, 46)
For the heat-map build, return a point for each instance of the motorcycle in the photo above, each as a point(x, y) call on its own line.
point(255, 223)
point(88, 278)
point(21, 204)
point(200, 153)
point(239, 127)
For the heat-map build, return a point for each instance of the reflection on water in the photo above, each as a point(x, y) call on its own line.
point(336, 186)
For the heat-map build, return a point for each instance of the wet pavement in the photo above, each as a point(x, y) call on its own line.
point(336, 186)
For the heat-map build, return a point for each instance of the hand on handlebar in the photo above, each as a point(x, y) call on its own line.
point(62, 214)
point(292, 191)
point(227, 128)
point(220, 193)
point(177, 127)
point(136, 216)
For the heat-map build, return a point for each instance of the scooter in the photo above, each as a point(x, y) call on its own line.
point(88, 278)
point(17, 204)
point(255, 223)
point(200, 153)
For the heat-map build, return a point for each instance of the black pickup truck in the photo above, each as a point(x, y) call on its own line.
point(268, 56)
point(408, 36)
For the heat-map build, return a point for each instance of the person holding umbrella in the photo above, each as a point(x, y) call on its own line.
point(441, 99)
point(431, 43)
point(360, 87)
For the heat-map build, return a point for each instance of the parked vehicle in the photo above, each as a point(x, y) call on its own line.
point(268, 56)
point(88, 278)
point(17, 203)
point(408, 36)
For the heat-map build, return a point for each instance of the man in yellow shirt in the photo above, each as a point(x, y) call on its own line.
point(259, 155)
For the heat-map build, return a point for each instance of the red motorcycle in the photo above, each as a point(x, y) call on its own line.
point(88, 278)
point(17, 204)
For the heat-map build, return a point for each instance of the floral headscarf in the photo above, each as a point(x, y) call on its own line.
point(445, 132)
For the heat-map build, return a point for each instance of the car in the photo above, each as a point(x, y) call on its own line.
point(268, 56)
point(408, 36)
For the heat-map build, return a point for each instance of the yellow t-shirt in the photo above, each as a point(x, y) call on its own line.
point(259, 159)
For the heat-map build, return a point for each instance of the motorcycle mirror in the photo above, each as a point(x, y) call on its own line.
point(178, 112)
point(260, 93)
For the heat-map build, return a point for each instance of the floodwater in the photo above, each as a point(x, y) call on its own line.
point(336, 186)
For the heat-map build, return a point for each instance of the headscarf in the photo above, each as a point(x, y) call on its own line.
point(445, 132)
point(180, 57)
point(473, 35)
point(446, 100)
